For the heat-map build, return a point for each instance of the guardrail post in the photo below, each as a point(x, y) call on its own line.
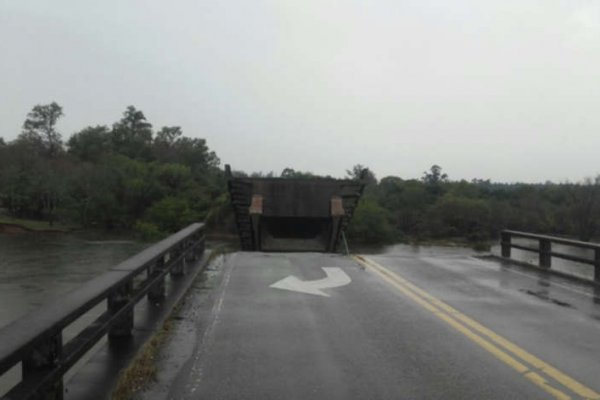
point(182, 254)
point(597, 265)
point(43, 357)
point(505, 242)
point(157, 292)
point(545, 253)
point(194, 242)
point(119, 298)
point(199, 246)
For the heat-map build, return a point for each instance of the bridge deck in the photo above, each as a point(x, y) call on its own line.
point(409, 325)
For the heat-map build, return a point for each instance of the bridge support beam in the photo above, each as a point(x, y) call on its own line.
point(183, 254)
point(199, 248)
point(118, 299)
point(597, 265)
point(337, 213)
point(158, 291)
point(545, 253)
point(44, 356)
point(505, 242)
point(255, 211)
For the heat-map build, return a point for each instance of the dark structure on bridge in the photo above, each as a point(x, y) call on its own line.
point(281, 214)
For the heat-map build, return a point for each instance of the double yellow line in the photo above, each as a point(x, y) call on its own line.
point(535, 370)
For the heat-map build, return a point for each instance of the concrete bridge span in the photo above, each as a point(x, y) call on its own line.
point(413, 325)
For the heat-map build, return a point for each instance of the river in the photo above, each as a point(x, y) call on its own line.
point(38, 267)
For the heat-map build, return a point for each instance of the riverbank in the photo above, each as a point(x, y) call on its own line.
point(18, 225)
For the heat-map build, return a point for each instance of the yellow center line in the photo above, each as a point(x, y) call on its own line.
point(485, 337)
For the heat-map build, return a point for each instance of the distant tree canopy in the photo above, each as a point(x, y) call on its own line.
point(126, 175)
point(39, 130)
point(434, 176)
point(435, 207)
point(119, 177)
point(91, 143)
point(360, 172)
point(291, 173)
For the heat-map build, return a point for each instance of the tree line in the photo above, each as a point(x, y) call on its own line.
point(434, 207)
point(130, 176)
point(126, 176)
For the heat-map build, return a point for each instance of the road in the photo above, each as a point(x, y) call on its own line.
point(411, 326)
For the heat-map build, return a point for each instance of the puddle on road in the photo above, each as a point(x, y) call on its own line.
point(543, 295)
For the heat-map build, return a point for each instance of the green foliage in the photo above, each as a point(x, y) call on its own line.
point(91, 143)
point(360, 172)
point(170, 214)
point(371, 223)
point(455, 216)
point(148, 231)
point(39, 130)
point(437, 208)
point(293, 174)
point(128, 177)
point(119, 178)
point(132, 135)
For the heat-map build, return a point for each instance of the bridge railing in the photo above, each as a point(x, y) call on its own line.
point(545, 251)
point(36, 340)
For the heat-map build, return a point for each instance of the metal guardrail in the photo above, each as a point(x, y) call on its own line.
point(36, 340)
point(545, 251)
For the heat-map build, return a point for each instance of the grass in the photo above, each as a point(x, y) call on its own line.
point(35, 225)
point(142, 370)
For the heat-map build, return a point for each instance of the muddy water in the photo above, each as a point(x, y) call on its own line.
point(37, 268)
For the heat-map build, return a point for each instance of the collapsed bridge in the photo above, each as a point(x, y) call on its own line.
point(292, 214)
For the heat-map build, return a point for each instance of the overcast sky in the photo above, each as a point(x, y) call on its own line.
point(506, 90)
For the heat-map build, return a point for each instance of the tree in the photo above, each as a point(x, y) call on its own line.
point(39, 129)
point(132, 135)
point(585, 207)
point(370, 223)
point(360, 172)
point(434, 176)
point(170, 214)
point(194, 153)
point(293, 174)
point(454, 216)
point(261, 174)
point(2, 142)
point(91, 143)
point(164, 144)
point(174, 178)
point(168, 135)
point(434, 180)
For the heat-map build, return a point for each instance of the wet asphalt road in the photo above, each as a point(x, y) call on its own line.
point(407, 326)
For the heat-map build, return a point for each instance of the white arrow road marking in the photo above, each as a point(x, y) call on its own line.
point(335, 278)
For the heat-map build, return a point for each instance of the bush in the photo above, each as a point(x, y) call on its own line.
point(148, 231)
point(371, 223)
point(170, 214)
point(460, 216)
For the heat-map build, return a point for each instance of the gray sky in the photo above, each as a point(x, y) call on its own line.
point(507, 90)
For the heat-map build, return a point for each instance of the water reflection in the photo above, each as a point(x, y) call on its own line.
point(38, 267)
